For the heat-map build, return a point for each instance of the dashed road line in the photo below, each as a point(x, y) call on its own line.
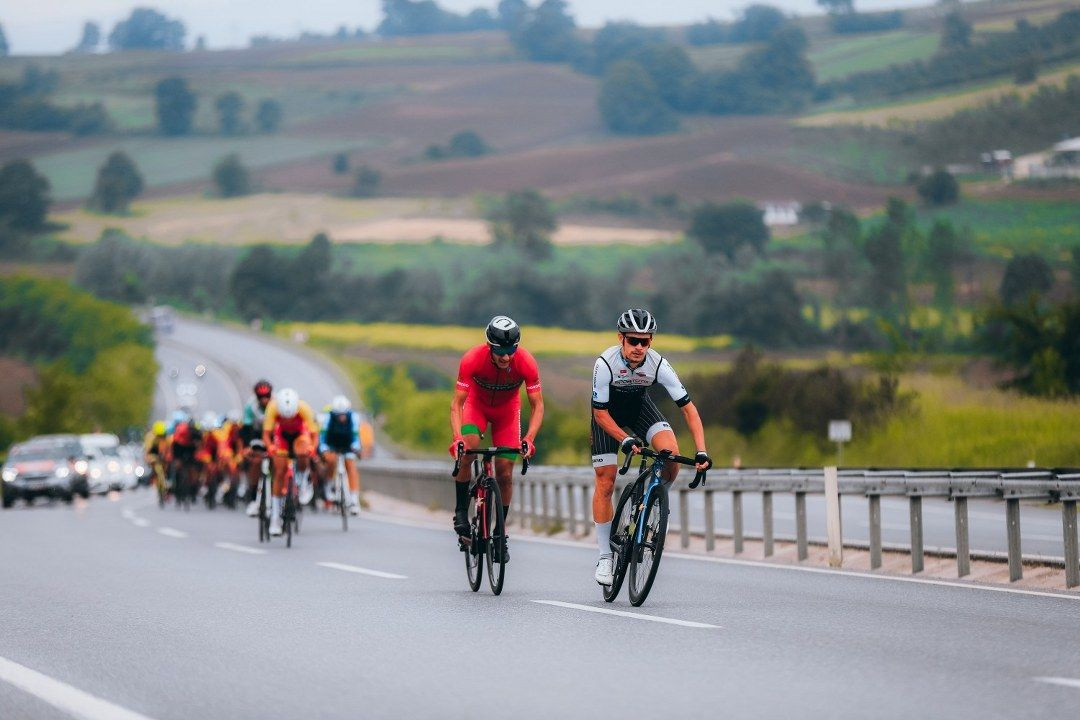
point(140, 522)
point(63, 696)
point(361, 571)
point(240, 548)
point(625, 614)
point(1064, 682)
point(170, 532)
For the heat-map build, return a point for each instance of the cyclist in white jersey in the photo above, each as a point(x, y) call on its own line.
point(625, 417)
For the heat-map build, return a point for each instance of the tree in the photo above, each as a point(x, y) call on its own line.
point(468, 144)
point(884, 249)
point(340, 164)
point(4, 49)
point(548, 35)
point(837, 7)
point(945, 249)
point(231, 177)
point(147, 29)
point(775, 78)
point(1027, 69)
point(673, 73)
point(118, 183)
point(91, 38)
point(175, 106)
point(1027, 277)
point(512, 14)
point(726, 228)
point(268, 116)
point(1074, 268)
point(955, 32)
point(230, 107)
point(366, 182)
point(939, 188)
point(24, 196)
point(1040, 344)
point(631, 103)
point(757, 24)
point(525, 220)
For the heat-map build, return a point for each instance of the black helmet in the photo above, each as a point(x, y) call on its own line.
point(503, 332)
point(636, 320)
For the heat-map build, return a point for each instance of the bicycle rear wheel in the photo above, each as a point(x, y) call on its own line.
point(645, 556)
point(264, 514)
point(496, 523)
point(474, 568)
point(288, 516)
point(620, 542)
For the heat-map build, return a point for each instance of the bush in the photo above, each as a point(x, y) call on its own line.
point(268, 116)
point(939, 188)
point(630, 102)
point(24, 196)
point(231, 177)
point(118, 183)
point(366, 182)
point(1027, 278)
point(175, 106)
point(726, 228)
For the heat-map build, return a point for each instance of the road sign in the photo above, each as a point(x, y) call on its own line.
point(839, 431)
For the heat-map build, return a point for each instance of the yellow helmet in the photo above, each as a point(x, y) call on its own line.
point(159, 428)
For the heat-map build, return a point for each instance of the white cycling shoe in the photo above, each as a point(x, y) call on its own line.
point(354, 509)
point(305, 490)
point(605, 570)
point(276, 525)
point(252, 508)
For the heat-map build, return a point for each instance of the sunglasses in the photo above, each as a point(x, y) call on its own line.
point(638, 341)
point(503, 351)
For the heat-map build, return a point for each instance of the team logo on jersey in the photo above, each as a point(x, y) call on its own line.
point(494, 386)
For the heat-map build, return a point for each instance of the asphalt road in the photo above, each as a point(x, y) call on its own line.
point(181, 615)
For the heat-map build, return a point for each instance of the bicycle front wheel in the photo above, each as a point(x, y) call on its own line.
point(474, 568)
point(342, 485)
point(645, 555)
point(496, 546)
point(621, 537)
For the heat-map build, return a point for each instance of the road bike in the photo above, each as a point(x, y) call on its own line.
point(487, 525)
point(262, 490)
point(341, 489)
point(640, 525)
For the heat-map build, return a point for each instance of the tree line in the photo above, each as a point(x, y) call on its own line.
point(25, 105)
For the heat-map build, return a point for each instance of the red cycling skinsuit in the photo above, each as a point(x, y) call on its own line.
point(494, 394)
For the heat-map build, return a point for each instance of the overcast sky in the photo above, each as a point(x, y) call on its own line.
point(35, 27)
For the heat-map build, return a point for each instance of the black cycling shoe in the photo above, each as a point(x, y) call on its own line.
point(502, 551)
point(461, 525)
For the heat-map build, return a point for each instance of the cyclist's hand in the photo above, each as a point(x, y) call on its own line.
point(704, 462)
point(630, 444)
point(454, 446)
point(530, 447)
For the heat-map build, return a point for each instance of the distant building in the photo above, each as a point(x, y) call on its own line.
point(1060, 161)
point(999, 161)
point(781, 214)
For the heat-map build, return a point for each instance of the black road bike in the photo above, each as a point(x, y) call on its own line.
point(487, 526)
point(640, 525)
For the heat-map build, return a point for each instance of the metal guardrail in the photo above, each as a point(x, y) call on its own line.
point(560, 497)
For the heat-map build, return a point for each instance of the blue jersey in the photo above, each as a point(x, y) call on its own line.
point(340, 432)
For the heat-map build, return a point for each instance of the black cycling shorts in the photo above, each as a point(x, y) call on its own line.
point(649, 421)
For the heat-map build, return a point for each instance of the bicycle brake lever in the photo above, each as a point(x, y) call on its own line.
point(699, 479)
point(626, 463)
point(457, 461)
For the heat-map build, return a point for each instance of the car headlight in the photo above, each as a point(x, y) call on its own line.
point(62, 472)
point(81, 466)
point(10, 474)
point(140, 470)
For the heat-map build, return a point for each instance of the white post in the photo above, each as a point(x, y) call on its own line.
point(832, 518)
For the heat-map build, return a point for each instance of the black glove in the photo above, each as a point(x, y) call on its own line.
point(628, 443)
point(703, 457)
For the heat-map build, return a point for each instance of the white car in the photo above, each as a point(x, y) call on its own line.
point(106, 465)
point(134, 467)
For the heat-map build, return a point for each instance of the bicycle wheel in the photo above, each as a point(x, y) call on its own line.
point(474, 569)
point(620, 541)
point(264, 515)
point(288, 515)
point(645, 556)
point(342, 483)
point(496, 523)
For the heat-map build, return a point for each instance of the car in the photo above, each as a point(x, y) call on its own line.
point(52, 466)
point(134, 468)
point(106, 465)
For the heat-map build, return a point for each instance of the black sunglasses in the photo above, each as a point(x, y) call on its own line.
point(638, 342)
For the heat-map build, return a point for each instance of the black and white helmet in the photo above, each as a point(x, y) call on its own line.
point(636, 320)
point(503, 332)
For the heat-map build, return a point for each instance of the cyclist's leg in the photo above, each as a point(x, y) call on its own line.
point(354, 478)
point(506, 432)
point(473, 423)
point(605, 458)
point(654, 428)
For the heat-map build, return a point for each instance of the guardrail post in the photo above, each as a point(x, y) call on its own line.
point(1012, 526)
point(684, 518)
point(800, 525)
point(556, 497)
point(533, 515)
point(766, 523)
point(875, 531)
point(736, 520)
point(1072, 552)
point(544, 507)
point(963, 549)
point(571, 510)
point(586, 509)
point(710, 522)
point(915, 512)
point(832, 518)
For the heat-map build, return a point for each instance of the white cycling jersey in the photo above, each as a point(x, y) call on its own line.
point(621, 390)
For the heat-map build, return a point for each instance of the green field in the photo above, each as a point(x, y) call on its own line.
point(404, 53)
point(843, 56)
point(164, 161)
point(1005, 227)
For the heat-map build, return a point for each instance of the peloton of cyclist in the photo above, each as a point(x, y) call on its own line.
point(289, 431)
point(488, 391)
point(622, 376)
point(340, 435)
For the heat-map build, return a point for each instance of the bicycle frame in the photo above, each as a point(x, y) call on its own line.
point(655, 481)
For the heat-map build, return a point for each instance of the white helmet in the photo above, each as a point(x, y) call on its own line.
point(340, 404)
point(288, 403)
point(210, 420)
point(233, 416)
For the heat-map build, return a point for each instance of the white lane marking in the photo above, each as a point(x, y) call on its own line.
point(140, 522)
point(361, 571)
point(751, 563)
point(240, 548)
point(625, 614)
point(127, 514)
point(170, 532)
point(1066, 682)
point(63, 696)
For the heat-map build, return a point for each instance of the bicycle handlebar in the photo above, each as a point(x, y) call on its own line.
point(666, 456)
point(489, 453)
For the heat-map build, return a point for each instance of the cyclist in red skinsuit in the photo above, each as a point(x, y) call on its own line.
point(488, 391)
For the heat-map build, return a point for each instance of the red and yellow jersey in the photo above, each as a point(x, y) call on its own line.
point(302, 422)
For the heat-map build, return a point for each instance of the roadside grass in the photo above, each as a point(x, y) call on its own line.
point(540, 341)
point(931, 106)
point(838, 57)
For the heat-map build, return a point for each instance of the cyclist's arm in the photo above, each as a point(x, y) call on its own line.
point(536, 414)
point(456, 404)
point(693, 421)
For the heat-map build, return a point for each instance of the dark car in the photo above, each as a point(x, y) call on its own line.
point(50, 466)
